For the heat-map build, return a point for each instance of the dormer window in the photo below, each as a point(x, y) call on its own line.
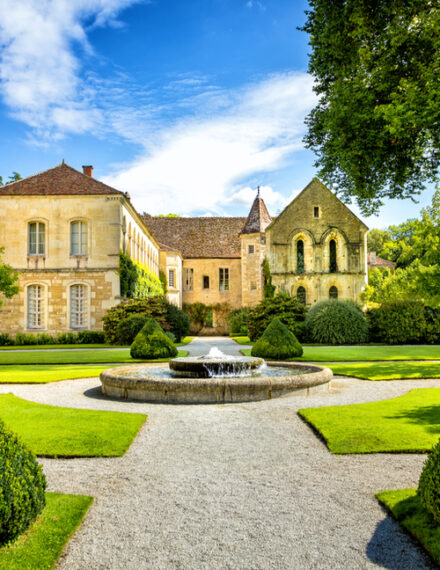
point(36, 238)
point(78, 238)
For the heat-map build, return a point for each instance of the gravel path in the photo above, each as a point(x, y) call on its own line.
point(241, 486)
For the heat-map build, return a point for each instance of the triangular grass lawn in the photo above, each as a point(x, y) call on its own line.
point(41, 545)
point(386, 370)
point(44, 373)
point(407, 509)
point(52, 431)
point(409, 423)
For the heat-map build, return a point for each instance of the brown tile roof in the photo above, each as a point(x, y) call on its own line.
point(258, 219)
point(59, 181)
point(199, 237)
point(374, 261)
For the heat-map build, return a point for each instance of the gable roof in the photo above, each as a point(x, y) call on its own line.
point(258, 219)
point(63, 180)
point(199, 237)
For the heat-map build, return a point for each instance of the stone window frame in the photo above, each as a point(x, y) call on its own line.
point(206, 279)
point(85, 324)
point(38, 222)
point(188, 279)
point(43, 310)
point(340, 238)
point(251, 249)
point(172, 277)
point(301, 288)
point(84, 222)
point(316, 210)
point(331, 292)
point(223, 278)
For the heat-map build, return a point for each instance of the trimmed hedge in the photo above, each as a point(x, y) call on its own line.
point(336, 322)
point(401, 322)
point(429, 484)
point(127, 329)
point(24, 339)
point(22, 486)
point(277, 343)
point(237, 321)
point(151, 343)
point(287, 309)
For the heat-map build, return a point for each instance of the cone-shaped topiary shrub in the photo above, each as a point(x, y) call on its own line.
point(128, 328)
point(22, 486)
point(429, 484)
point(151, 342)
point(336, 322)
point(277, 343)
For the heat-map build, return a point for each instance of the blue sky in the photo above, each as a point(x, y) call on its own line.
point(187, 105)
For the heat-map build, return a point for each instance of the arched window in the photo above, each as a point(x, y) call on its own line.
point(301, 294)
point(300, 256)
point(333, 292)
point(35, 307)
point(36, 238)
point(78, 307)
point(333, 265)
point(78, 238)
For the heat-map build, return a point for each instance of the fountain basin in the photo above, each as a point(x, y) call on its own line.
point(135, 383)
point(207, 367)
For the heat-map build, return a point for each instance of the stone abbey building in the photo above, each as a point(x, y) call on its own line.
point(62, 230)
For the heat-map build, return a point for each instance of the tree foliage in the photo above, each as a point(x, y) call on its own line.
point(15, 176)
point(8, 280)
point(376, 65)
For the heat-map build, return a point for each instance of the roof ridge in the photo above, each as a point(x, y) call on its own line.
point(36, 174)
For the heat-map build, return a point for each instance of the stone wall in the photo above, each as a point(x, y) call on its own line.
point(252, 281)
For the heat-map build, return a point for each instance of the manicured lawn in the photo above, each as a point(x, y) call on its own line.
point(386, 370)
point(409, 423)
point(40, 547)
point(44, 373)
point(367, 352)
point(242, 339)
point(406, 508)
point(87, 356)
point(58, 346)
point(67, 432)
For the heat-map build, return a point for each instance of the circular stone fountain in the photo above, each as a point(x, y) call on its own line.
point(213, 379)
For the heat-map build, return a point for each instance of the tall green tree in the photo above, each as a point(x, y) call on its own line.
point(376, 127)
point(8, 280)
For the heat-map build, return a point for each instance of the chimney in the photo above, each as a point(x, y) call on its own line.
point(372, 257)
point(88, 171)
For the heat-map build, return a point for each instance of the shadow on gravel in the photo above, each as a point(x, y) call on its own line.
point(389, 549)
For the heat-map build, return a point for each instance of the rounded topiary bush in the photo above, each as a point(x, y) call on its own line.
point(277, 343)
point(129, 327)
point(429, 484)
point(151, 343)
point(22, 486)
point(336, 322)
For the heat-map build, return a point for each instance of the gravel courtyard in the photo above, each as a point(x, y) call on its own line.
point(239, 486)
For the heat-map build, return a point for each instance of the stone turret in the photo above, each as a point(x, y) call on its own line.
point(253, 251)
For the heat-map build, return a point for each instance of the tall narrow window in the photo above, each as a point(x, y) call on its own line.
point(188, 279)
point(251, 249)
point(37, 237)
point(301, 295)
point(224, 279)
point(333, 265)
point(206, 282)
point(333, 292)
point(78, 238)
point(35, 312)
point(78, 306)
point(171, 278)
point(316, 212)
point(300, 256)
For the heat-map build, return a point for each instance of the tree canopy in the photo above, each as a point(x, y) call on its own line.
point(376, 127)
point(15, 176)
point(8, 280)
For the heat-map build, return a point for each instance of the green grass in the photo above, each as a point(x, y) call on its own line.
point(113, 356)
point(386, 370)
point(242, 339)
point(409, 423)
point(42, 374)
point(67, 432)
point(407, 509)
point(41, 545)
point(52, 346)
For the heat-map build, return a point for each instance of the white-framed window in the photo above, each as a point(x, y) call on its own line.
point(224, 279)
point(188, 279)
point(78, 238)
point(35, 307)
point(78, 307)
point(36, 238)
point(171, 278)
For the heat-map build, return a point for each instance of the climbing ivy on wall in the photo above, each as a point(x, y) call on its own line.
point(137, 280)
point(268, 289)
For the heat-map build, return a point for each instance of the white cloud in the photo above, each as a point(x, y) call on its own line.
point(198, 163)
point(40, 76)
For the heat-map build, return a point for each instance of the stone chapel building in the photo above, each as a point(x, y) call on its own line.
point(62, 230)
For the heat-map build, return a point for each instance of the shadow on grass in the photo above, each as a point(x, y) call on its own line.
point(423, 415)
point(390, 548)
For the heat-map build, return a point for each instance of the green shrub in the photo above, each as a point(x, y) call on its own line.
point(6, 340)
point(151, 343)
point(237, 321)
point(128, 328)
point(199, 315)
point(429, 484)
point(90, 337)
point(171, 336)
point(44, 338)
point(277, 343)
point(153, 307)
point(432, 332)
point(401, 322)
point(336, 322)
point(22, 339)
point(22, 486)
point(177, 321)
point(66, 338)
point(288, 309)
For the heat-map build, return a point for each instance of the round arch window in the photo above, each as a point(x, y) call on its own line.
point(333, 292)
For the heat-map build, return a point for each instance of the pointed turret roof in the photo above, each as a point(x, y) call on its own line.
point(258, 219)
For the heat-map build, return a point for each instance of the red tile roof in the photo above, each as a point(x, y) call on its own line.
point(258, 219)
point(63, 180)
point(375, 261)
